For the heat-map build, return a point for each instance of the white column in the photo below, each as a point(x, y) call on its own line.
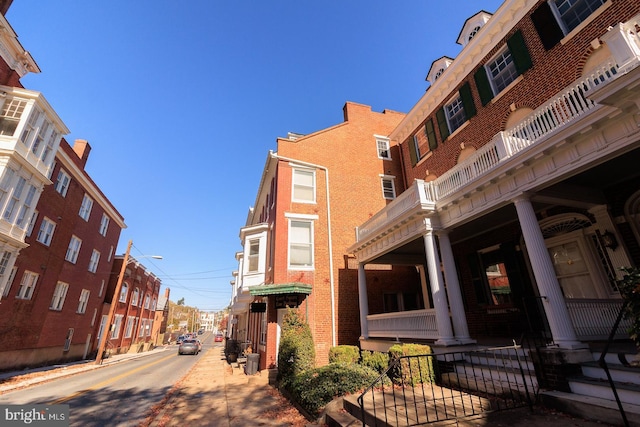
point(364, 302)
point(552, 299)
point(454, 294)
point(445, 330)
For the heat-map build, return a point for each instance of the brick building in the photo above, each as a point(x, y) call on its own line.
point(55, 293)
point(136, 306)
point(523, 195)
point(296, 235)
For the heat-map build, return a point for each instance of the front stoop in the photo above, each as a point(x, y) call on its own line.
point(592, 408)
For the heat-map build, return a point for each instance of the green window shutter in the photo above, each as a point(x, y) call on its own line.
point(431, 135)
point(412, 151)
point(467, 101)
point(483, 85)
point(519, 52)
point(442, 124)
point(546, 25)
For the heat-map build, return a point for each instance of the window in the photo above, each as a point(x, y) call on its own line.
point(147, 302)
point(455, 114)
point(143, 323)
point(32, 223)
point(59, 294)
point(49, 148)
point(512, 61)
point(153, 304)
point(383, 148)
point(388, 187)
point(46, 231)
point(83, 301)
point(62, 182)
point(10, 115)
point(27, 285)
point(300, 244)
point(101, 288)
point(30, 128)
point(117, 324)
point(572, 12)
point(85, 208)
point(304, 186)
point(15, 199)
point(419, 145)
point(6, 183)
point(7, 286)
point(73, 250)
point(128, 330)
point(40, 137)
point(104, 224)
point(67, 340)
point(4, 262)
point(135, 296)
point(254, 255)
point(123, 293)
point(23, 214)
point(93, 262)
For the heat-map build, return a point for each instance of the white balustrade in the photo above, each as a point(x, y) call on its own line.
point(417, 324)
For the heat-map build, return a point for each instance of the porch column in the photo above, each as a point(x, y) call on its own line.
point(364, 302)
point(552, 299)
point(437, 290)
point(454, 294)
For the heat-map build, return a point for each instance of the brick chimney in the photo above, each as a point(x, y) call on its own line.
point(82, 149)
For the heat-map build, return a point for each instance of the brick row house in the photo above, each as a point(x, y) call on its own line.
point(58, 231)
point(515, 202)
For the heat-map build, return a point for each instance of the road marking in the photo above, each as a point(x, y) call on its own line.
point(104, 383)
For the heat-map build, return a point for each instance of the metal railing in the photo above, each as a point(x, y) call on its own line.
point(430, 388)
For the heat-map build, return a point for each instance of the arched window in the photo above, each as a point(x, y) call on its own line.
point(123, 293)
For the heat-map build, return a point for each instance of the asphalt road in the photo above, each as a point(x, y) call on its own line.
point(116, 395)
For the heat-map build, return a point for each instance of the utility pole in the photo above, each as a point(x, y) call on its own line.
point(114, 301)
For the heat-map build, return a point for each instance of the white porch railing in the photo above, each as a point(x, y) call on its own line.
point(417, 324)
point(593, 319)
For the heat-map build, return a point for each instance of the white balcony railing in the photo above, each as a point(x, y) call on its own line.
point(416, 324)
point(594, 318)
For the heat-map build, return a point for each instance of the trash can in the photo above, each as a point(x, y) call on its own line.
point(253, 362)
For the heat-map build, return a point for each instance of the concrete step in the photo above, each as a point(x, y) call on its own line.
point(627, 392)
point(599, 409)
point(620, 373)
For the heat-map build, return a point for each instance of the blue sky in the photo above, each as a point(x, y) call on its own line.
point(181, 102)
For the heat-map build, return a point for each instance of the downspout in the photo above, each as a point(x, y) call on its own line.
point(330, 243)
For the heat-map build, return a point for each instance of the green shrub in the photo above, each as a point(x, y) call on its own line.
point(376, 360)
point(412, 370)
point(347, 354)
point(315, 388)
point(296, 353)
point(629, 288)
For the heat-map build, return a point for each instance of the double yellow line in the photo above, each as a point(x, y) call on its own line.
point(109, 381)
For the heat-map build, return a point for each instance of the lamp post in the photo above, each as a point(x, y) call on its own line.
point(114, 302)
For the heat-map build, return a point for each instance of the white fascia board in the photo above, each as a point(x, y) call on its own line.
point(13, 53)
point(494, 31)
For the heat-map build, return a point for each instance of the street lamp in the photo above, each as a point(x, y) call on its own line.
point(114, 301)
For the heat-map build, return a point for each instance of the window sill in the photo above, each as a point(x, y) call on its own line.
point(507, 89)
point(586, 22)
point(457, 131)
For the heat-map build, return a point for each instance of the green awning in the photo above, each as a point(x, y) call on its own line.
point(281, 288)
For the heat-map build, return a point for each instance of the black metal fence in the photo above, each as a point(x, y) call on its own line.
point(428, 388)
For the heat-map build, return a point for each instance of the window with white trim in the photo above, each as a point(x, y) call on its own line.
point(53, 139)
point(571, 13)
point(83, 301)
point(93, 262)
point(59, 294)
point(143, 323)
point(32, 223)
point(27, 285)
point(6, 184)
point(117, 324)
point(14, 200)
point(388, 187)
point(101, 288)
point(25, 209)
point(147, 301)
point(10, 115)
point(300, 244)
point(135, 296)
point(85, 208)
point(45, 234)
point(501, 70)
point(304, 185)
point(455, 113)
point(128, 330)
point(73, 249)
point(40, 137)
point(153, 304)
point(62, 182)
point(254, 255)
point(104, 224)
point(123, 293)
point(383, 148)
point(7, 286)
point(4, 263)
point(30, 127)
point(67, 341)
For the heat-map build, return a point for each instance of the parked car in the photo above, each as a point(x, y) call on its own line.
point(189, 347)
point(219, 337)
point(180, 339)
